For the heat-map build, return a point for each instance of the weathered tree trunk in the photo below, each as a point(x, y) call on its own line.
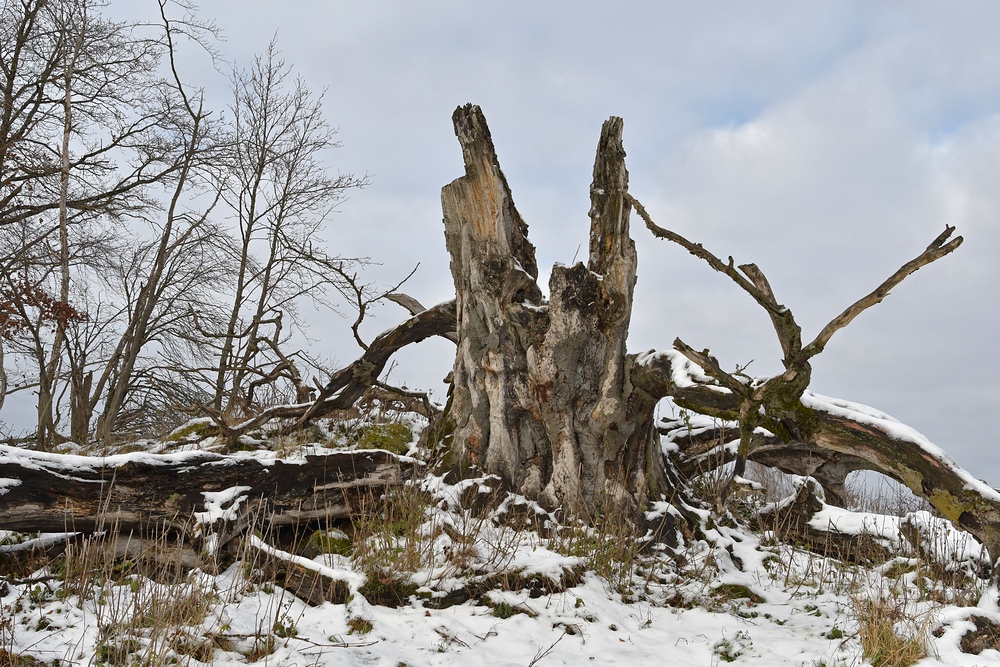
point(546, 396)
point(542, 395)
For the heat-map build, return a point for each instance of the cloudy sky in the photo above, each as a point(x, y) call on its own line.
point(828, 142)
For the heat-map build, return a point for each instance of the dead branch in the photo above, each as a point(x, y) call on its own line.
point(937, 249)
point(349, 383)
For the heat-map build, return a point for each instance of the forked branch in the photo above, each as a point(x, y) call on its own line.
point(750, 279)
point(938, 248)
point(775, 402)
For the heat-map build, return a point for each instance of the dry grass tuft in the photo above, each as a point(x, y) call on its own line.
point(890, 635)
point(604, 537)
point(395, 532)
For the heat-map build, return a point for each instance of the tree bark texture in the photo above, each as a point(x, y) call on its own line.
point(542, 395)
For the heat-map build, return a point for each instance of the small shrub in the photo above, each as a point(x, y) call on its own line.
point(285, 627)
point(728, 649)
point(115, 653)
point(389, 534)
point(504, 610)
point(359, 626)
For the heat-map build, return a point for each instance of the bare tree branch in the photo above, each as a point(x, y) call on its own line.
point(937, 249)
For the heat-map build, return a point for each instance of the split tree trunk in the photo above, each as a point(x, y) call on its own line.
point(542, 395)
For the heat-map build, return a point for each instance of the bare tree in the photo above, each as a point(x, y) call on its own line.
point(281, 195)
point(98, 129)
point(193, 146)
point(85, 133)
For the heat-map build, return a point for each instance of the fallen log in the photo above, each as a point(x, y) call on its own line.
point(821, 433)
point(202, 496)
point(800, 520)
point(310, 581)
point(873, 539)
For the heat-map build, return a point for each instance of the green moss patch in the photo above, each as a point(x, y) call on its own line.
point(392, 437)
point(331, 542)
point(196, 429)
point(738, 592)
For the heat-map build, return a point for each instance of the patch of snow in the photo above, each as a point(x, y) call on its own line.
point(215, 505)
point(353, 578)
point(7, 483)
point(683, 371)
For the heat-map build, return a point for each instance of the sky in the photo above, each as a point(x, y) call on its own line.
point(828, 142)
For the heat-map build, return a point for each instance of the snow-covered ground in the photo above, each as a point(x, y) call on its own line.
point(738, 597)
point(735, 596)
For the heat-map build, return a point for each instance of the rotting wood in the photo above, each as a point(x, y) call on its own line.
point(194, 494)
point(304, 578)
point(541, 393)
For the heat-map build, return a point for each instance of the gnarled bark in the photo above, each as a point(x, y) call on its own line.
point(542, 395)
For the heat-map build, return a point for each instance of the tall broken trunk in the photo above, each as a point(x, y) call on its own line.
point(546, 396)
point(542, 395)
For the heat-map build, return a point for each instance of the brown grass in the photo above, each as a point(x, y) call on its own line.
point(890, 637)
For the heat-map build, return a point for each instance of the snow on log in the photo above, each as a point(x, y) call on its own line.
point(831, 431)
point(192, 493)
point(871, 538)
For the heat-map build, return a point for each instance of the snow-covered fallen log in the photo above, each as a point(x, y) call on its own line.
point(824, 438)
point(196, 494)
point(870, 538)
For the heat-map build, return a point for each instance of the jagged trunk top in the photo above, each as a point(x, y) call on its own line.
point(541, 396)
